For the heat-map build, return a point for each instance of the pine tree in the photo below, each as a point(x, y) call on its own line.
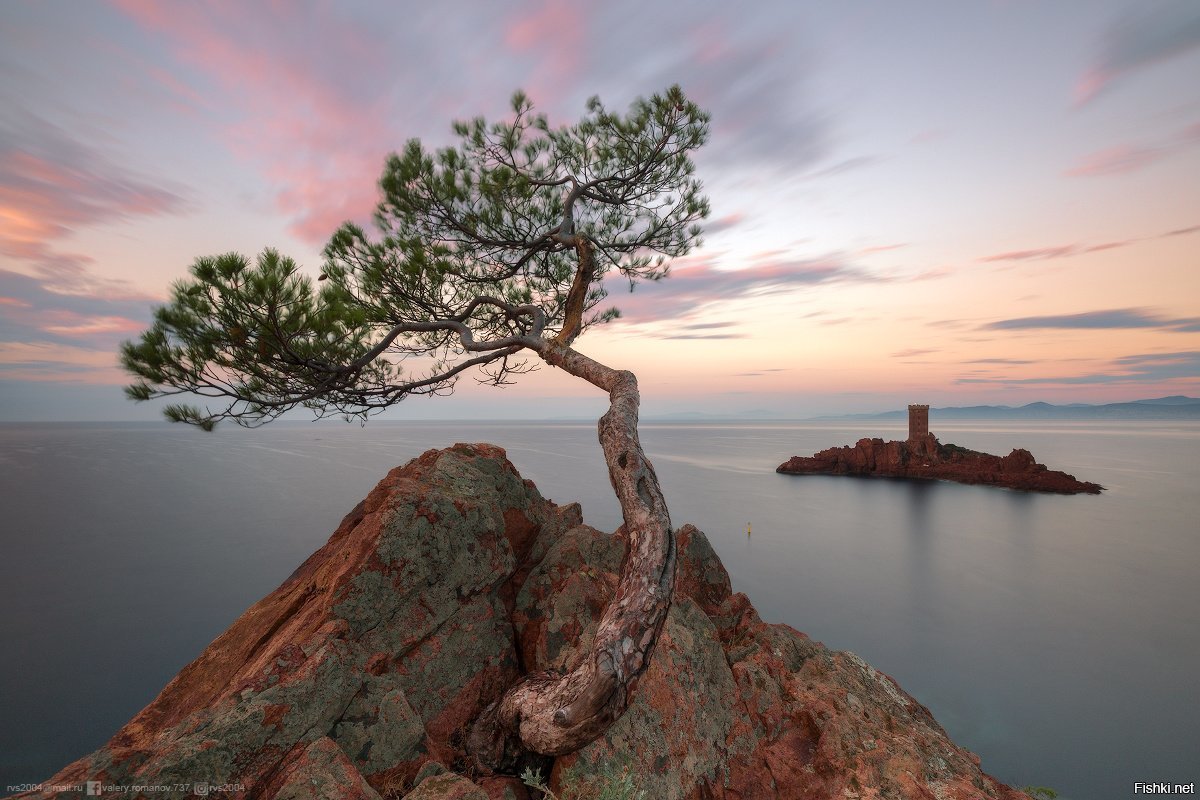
point(489, 256)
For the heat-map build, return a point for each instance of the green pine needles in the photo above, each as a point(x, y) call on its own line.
point(483, 251)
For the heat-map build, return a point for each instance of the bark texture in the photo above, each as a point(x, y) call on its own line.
point(554, 714)
point(577, 297)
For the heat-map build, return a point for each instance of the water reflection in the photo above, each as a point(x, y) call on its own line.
point(1039, 629)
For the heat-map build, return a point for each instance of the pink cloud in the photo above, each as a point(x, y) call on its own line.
point(1130, 157)
point(311, 113)
point(44, 197)
point(192, 100)
point(1104, 246)
point(1037, 254)
point(314, 97)
point(1114, 160)
point(47, 334)
point(1061, 251)
point(750, 83)
point(724, 223)
point(882, 248)
point(51, 186)
point(1090, 85)
point(554, 20)
point(928, 135)
point(84, 326)
point(1067, 250)
point(556, 34)
point(1147, 34)
point(51, 361)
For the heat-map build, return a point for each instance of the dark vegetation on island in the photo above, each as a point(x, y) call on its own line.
point(922, 456)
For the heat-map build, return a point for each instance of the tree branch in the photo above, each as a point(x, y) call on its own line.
point(585, 273)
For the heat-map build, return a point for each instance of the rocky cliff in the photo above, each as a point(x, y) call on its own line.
point(358, 676)
point(928, 458)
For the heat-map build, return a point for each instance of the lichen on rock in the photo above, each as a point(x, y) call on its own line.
point(359, 676)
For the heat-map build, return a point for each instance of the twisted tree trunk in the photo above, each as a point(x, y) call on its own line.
point(558, 714)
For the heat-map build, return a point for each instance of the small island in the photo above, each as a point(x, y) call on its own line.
point(923, 456)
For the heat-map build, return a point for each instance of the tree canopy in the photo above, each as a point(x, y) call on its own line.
point(487, 250)
point(483, 249)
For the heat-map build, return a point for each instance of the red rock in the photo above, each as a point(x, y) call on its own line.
point(447, 786)
point(320, 771)
point(928, 458)
point(734, 708)
point(359, 676)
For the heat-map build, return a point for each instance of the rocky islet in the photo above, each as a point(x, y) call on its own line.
point(359, 676)
point(925, 457)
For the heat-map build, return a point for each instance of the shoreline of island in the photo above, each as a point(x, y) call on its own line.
point(923, 457)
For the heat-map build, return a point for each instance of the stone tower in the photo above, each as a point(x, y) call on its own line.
point(918, 422)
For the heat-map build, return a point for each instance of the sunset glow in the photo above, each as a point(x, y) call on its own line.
point(953, 203)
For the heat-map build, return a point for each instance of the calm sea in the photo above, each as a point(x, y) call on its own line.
point(1057, 637)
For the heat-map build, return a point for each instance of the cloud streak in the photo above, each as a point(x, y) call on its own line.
point(1133, 369)
point(696, 285)
point(52, 185)
point(1000, 361)
point(1124, 158)
point(1069, 250)
point(1109, 319)
point(31, 309)
point(727, 222)
point(844, 166)
point(315, 108)
point(758, 373)
point(742, 69)
point(50, 361)
point(1147, 34)
point(1058, 251)
point(298, 101)
point(705, 336)
point(882, 248)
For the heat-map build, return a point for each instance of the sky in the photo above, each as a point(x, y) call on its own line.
point(954, 203)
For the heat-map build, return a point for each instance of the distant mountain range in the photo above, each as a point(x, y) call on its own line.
point(1173, 407)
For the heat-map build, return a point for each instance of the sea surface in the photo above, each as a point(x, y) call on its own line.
point(1057, 637)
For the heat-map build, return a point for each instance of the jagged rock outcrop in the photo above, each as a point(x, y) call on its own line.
point(928, 458)
point(359, 675)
